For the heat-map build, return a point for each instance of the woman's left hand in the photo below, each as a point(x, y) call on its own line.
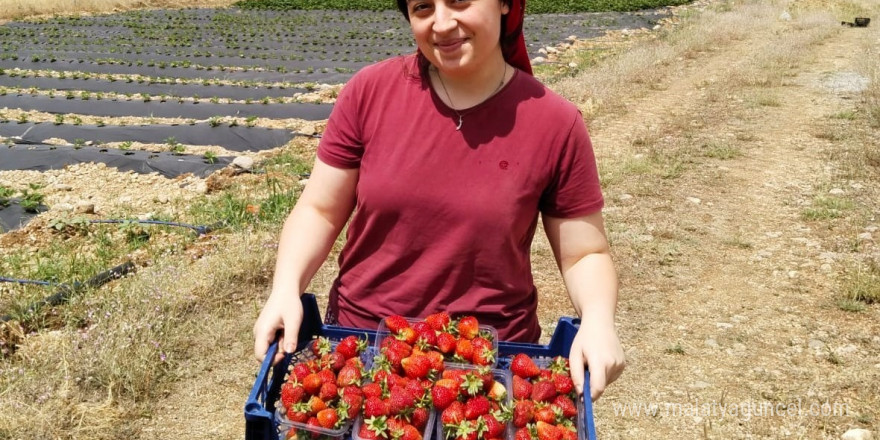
point(597, 347)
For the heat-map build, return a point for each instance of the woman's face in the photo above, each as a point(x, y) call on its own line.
point(457, 36)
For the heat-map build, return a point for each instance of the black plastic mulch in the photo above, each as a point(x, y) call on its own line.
point(239, 138)
point(13, 216)
point(48, 157)
point(168, 109)
point(122, 87)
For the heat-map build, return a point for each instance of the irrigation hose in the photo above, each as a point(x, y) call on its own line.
point(65, 291)
point(201, 230)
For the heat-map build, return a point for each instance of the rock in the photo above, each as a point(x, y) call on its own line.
point(836, 192)
point(572, 38)
point(865, 236)
point(85, 208)
point(65, 207)
point(857, 434)
point(538, 60)
point(694, 200)
point(63, 187)
point(871, 228)
point(147, 216)
point(161, 198)
point(572, 64)
point(785, 16)
point(625, 197)
point(542, 51)
point(815, 344)
point(711, 343)
point(244, 162)
point(724, 325)
point(551, 49)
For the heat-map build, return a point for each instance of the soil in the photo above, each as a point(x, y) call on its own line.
point(721, 324)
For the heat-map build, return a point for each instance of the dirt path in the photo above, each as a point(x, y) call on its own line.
point(734, 301)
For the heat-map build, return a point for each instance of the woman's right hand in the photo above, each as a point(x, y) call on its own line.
point(283, 311)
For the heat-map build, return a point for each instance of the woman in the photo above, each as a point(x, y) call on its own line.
point(448, 156)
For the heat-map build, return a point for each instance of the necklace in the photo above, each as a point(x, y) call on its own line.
point(452, 106)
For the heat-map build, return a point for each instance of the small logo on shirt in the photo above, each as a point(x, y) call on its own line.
point(503, 164)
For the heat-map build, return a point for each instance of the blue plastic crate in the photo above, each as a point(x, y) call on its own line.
point(260, 406)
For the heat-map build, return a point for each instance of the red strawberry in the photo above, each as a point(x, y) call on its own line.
point(563, 383)
point(408, 335)
point(395, 323)
point(464, 350)
point(436, 359)
point(545, 414)
point(300, 371)
point(523, 366)
point(315, 404)
point(377, 426)
point(353, 403)
point(372, 389)
point(400, 400)
point(483, 356)
point(475, 407)
point(569, 409)
point(312, 383)
point(468, 327)
point(299, 414)
point(328, 418)
point(453, 414)
point(291, 393)
point(494, 428)
point(547, 431)
point(334, 361)
point(543, 391)
point(523, 413)
point(327, 375)
point(522, 434)
point(522, 388)
point(416, 367)
point(328, 391)
point(568, 434)
point(355, 362)
point(348, 375)
point(446, 342)
point(420, 417)
point(375, 407)
point(314, 423)
point(351, 346)
point(366, 433)
point(410, 432)
point(320, 346)
point(443, 396)
point(438, 321)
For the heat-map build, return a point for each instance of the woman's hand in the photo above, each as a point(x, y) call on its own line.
point(597, 347)
point(283, 311)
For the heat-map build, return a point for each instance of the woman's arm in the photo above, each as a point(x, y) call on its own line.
point(582, 254)
point(306, 239)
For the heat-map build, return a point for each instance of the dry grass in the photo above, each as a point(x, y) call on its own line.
point(19, 9)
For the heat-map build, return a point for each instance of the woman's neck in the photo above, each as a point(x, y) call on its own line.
point(467, 90)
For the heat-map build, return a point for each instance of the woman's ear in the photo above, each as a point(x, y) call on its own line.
point(505, 7)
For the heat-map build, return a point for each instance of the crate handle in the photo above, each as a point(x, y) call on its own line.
point(258, 396)
point(588, 408)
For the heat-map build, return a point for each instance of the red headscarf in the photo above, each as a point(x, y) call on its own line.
point(513, 43)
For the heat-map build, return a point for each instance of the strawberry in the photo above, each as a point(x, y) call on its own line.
point(351, 346)
point(493, 427)
point(400, 400)
point(366, 433)
point(497, 392)
point(545, 414)
point(522, 388)
point(314, 423)
point(438, 321)
point(436, 359)
point(523, 366)
point(453, 414)
point(442, 396)
point(333, 361)
point(523, 413)
point(410, 432)
point(446, 342)
point(328, 418)
point(300, 371)
point(568, 434)
point(416, 367)
point(543, 391)
point(327, 375)
point(291, 393)
point(465, 430)
point(328, 391)
point(563, 383)
point(547, 431)
point(475, 407)
point(395, 323)
point(375, 407)
point(376, 426)
point(355, 362)
point(312, 383)
point(569, 409)
point(408, 335)
point(372, 389)
point(315, 405)
point(483, 356)
point(468, 327)
point(420, 417)
point(353, 404)
point(348, 375)
point(320, 346)
point(522, 434)
point(464, 350)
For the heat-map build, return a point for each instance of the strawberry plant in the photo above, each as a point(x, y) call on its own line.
point(544, 405)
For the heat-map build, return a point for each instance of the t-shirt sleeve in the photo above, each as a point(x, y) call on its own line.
point(342, 144)
point(574, 190)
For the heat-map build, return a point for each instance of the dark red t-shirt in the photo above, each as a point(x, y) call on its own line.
point(445, 219)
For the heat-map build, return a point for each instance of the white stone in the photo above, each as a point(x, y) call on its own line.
point(857, 434)
point(724, 325)
point(572, 38)
point(826, 267)
point(711, 343)
point(162, 198)
point(792, 274)
point(572, 64)
point(785, 16)
point(836, 192)
point(856, 185)
point(147, 216)
point(871, 228)
point(85, 208)
point(551, 49)
point(542, 51)
point(244, 162)
point(865, 236)
point(538, 60)
point(815, 344)
point(625, 197)
point(65, 207)
point(694, 200)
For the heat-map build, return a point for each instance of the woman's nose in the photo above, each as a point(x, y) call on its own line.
point(444, 19)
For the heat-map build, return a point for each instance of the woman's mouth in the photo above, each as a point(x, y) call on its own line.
point(449, 45)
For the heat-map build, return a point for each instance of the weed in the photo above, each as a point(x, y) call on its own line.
point(848, 305)
point(675, 349)
point(862, 283)
point(721, 151)
point(59, 119)
point(826, 208)
point(215, 121)
point(210, 157)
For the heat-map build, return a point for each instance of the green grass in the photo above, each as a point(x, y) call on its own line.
point(534, 6)
point(826, 208)
point(862, 284)
point(721, 151)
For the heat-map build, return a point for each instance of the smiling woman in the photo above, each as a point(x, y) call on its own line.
point(17, 9)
